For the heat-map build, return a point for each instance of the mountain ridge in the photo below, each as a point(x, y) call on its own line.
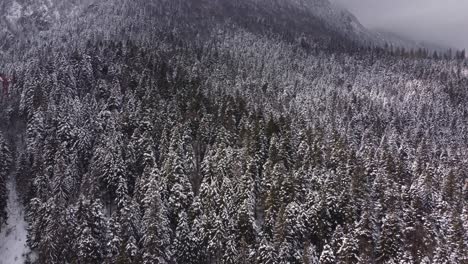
point(36, 16)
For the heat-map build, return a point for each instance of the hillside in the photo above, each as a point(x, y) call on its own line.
point(247, 131)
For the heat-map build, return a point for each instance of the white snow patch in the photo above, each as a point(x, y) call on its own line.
point(13, 247)
point(414, 84)
point(465, 72)
point(14, 12)
point(56, 14)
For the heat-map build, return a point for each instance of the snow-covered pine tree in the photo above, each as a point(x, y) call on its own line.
point(90, 231)
point(327, 256)
point(156, 239)
point(107, 165)
point(197, 234)
point(5, 166)
point(289, 232)
point(349, 250)
point(266, 252)
point(124, 227)
point(389, 243)
point(310, 254)
point(246, 226)
point(364, 236)
point(182, 241)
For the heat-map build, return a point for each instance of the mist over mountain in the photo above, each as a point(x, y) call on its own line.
point(441, 22)
point(221, 131)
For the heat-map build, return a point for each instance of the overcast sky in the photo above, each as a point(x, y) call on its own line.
point(441, 21)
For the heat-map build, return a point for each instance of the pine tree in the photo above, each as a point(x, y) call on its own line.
point(182, 241)
point(216, 238)
point(349, 250)
point(65, 176)
point(150, 172)
point(337, 238)
point(390, 241)
point(455, 238)
point(231, 253)
point(176, 181)
point(124, 227)
point(141, 147)
point(5, 165)
point(266, 253)
point(327, 256)
point(441, 254)
point(35, 132)
point(212, 205)
point(107, 163)
point(406, 258)
point(246, 225)
point(364, 236)
point(49, 235)
point(274, 200)
point(90, 232)
point(156, 240)
point(289, 232)
point(310, 254)
point(197, 232)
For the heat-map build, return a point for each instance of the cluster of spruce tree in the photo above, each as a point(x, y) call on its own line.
point(237, 141)
point(5, 166)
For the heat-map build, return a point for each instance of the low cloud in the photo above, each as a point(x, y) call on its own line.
point(442, 22)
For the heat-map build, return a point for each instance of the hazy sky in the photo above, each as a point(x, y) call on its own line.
point(441, 21)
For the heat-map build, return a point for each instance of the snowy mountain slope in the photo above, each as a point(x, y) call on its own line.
point(339, 19)
point(317, 19)
point(20, 18)
point(29, 15)
point(13, 247)
point(334, 18)
point(211, 132)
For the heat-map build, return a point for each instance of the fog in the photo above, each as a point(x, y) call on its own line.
point(443, 22)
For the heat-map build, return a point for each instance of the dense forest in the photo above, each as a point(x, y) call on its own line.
point(248, 131)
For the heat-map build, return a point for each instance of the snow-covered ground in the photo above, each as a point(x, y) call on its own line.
point(13, 248)
point(465, 72)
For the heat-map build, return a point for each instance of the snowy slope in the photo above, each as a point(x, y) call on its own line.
point(342, 20)
point(20, 18)
point(13, 248)
point(336, 18)
point(22, 15)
